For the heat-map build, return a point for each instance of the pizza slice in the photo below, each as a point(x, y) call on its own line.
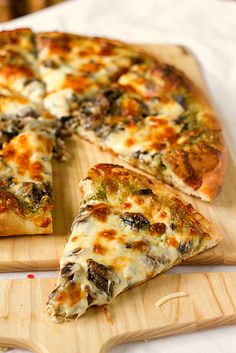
point(129, 229)
point(25, 175)
point(74, 66)
point(156, 120)
point(18, 67)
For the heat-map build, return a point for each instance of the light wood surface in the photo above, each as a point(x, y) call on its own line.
point(210, 302)
point(43, 252)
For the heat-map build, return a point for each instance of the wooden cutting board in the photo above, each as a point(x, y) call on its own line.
point(210, 302)
point(42, 252)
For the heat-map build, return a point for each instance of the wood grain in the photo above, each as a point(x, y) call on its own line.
point(210, 302)
point(43, 252)
point(5, 10)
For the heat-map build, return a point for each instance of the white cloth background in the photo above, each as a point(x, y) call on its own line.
point(208, 28)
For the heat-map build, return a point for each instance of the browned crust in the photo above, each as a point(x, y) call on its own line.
point(16, 220)
point(213, 181)
point(57, 35)
point(210, 184)
point(16, 30)
point(14, 36)
point(14, 224)
point(63, 40)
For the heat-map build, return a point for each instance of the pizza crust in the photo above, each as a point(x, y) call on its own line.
point(212, 182)
point(13, 224)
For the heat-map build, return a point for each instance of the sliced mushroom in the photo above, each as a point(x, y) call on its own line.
point(135, 220)
point(101, 276)
point(143, 192)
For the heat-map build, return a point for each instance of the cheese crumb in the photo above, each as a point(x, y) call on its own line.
point(169, 297)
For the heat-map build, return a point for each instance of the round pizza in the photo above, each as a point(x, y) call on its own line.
point(146, 112)
point(129, 228)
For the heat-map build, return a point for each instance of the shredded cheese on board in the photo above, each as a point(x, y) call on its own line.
point(169, 297)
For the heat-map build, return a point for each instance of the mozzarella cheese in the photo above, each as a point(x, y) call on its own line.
point(25, 163)
point(18, 69)
point(124, 234)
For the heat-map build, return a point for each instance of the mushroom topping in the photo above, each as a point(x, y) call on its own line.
point(135, 220)
point(101, 276)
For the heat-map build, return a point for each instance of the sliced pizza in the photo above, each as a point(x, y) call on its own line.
point(74, 66)
point(18, 69)
point(13, 105)
point(26, 175)
point(129, 229)
point(158, 121)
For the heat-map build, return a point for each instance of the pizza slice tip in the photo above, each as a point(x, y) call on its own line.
point(128, 230)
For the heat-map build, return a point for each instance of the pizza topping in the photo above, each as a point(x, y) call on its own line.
point(143, 192)
point(6, 136)
point(163, 214)
point(138, 153)
point(76, 251)
point(9, 202)
point(99, 249)
point(101, 276)
point(172, 242)
point(108, 234)
point(172, 226)
point(126, 205)
point(180, 119)
point(181, 100)
point(7, 183)
point(68, 270)
point(35, 193)
point(135, 220)
point(157, 229)
point(52, 64)
point(52, 294)
point(140, 245)
point(72, 294)
point(101, 213)
point(185, 247)
point(112, 94)
point(78, 83)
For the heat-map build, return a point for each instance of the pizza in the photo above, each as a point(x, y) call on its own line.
point(74, 66)
point(53, 85)
point(18, 70)
point(128, 230)
point(25, 176)
point(129, 227)
point(156, 120)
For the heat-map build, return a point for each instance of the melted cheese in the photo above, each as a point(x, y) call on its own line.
point(13, 104)
point(132, 253)
point(28, 156)
point(59, 102)
point(80, 64)
point(18, 64)
point(148, 138)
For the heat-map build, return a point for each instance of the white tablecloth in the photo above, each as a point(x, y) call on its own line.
point(208, 28)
